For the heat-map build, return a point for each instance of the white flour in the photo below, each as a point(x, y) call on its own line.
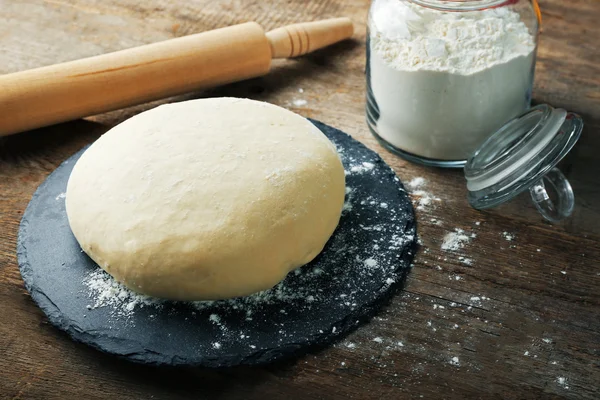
point(443, 82)
point(416, 183)
point(105, 291)
point(422, 198)
point(456, 240)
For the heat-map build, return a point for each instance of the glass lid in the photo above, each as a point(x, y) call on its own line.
point(522, 155)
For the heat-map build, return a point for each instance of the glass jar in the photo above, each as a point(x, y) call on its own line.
point(443, 76)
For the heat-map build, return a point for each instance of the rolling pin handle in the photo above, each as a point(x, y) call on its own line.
point(298, 39)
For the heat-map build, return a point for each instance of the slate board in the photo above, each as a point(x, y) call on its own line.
point(363, 264)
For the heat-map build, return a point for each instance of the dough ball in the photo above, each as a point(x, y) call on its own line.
point(206, 199)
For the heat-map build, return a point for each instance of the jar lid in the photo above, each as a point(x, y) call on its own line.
point(522, 155)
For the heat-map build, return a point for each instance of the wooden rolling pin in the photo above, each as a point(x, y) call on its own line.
point(76, 89)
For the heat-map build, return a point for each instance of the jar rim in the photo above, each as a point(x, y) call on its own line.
point(461, 5)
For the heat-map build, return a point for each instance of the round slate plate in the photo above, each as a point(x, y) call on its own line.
point(361, 266)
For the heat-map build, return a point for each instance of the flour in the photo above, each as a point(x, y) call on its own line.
point(443, 82)
point(508, 236)
point(465, 261)
point(300, 102)
point(362, 167)
point(370, 263)
point(562, 381)
point(106, 292)
point(416, 182)
point(456, 240)
point(423, 199)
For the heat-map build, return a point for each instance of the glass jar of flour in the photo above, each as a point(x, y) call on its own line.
point(442, 76)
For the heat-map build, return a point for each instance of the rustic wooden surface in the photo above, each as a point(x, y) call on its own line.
point(533, 333)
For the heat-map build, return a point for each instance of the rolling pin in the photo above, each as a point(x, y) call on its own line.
point(62, 92)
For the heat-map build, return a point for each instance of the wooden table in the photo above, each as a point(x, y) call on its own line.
point(498, 318)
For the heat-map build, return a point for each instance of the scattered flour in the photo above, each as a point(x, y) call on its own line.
point(562, 381)
point(424, 198)
point(456, 240)
point(363, 167)
point(348, 202)
point(416, 183)
point(105, 291)
point(300, 102)
point(455, 361)
point(378, 340)
point(508, 236)
point(370, 262)
point(466, 261)
point(61, 196)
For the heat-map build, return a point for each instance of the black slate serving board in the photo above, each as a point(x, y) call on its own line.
point(363, 264)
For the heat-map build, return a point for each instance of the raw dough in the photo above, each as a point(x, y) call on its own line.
point(206, 199)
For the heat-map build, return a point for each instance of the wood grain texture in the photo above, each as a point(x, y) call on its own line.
point(523, 314)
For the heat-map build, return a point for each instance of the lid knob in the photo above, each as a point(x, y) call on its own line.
point(563, 207)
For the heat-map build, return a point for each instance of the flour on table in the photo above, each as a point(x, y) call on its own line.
point(508, 236)
point(416, 183)
point(465, 260)
point(424, 199)
point(300, 102)
point(456, 240)
point(455, 361)
point(562, 381)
